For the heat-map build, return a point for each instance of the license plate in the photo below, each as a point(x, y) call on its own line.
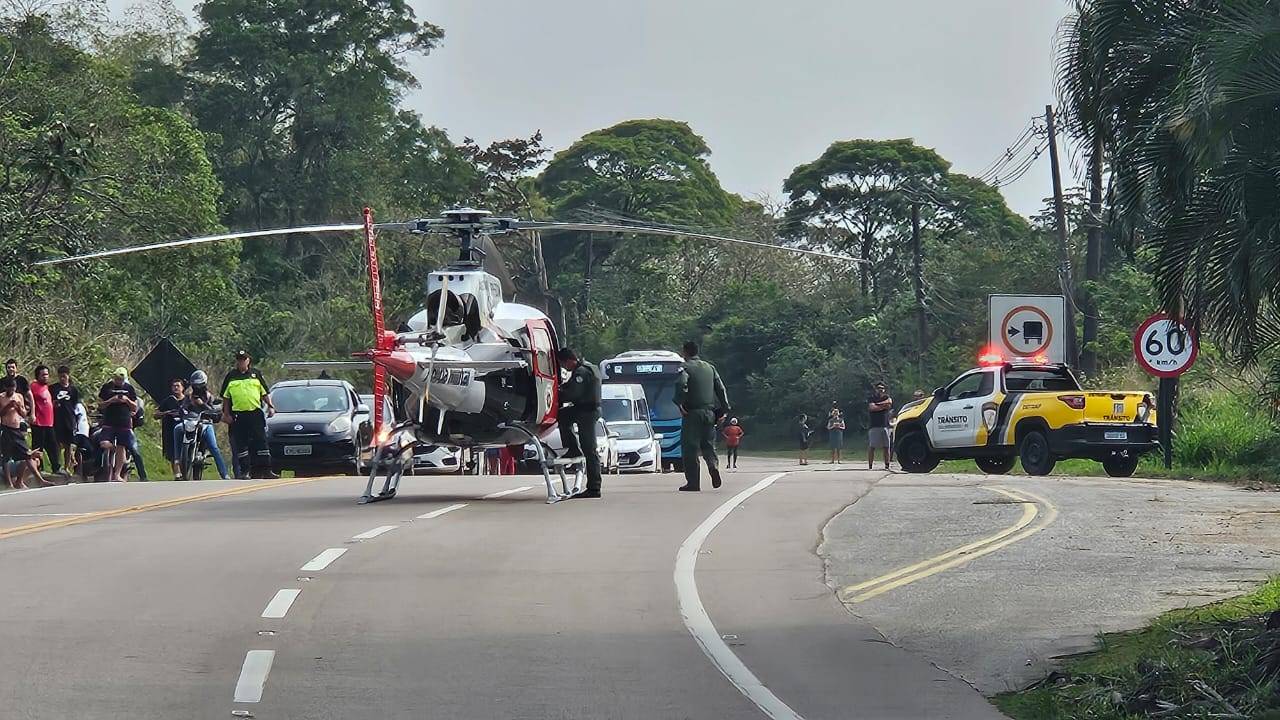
point(1115, 435)
point(306, 449)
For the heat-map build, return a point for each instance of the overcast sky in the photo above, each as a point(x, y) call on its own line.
point(769, 83)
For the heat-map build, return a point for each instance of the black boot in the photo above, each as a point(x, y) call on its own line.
point(715, 475)
point(689, 488)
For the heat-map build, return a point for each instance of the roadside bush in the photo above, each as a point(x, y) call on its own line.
point(1224, 430)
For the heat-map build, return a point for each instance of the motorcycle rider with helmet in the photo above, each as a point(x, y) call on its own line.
point(199, 401)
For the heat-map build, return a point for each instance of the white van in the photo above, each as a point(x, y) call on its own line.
point(623, 402)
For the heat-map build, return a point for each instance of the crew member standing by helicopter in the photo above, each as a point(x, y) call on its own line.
point(701, 397)
point(580, 405)
point(244, 392)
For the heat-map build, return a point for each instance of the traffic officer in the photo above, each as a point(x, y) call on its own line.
point(701, 397)
point(580, 406)
point(244, 392)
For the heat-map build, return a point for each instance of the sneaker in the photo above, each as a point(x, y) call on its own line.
point(689, 488)
point(587, 494)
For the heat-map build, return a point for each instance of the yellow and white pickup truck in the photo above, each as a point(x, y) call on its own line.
point(1037, 413)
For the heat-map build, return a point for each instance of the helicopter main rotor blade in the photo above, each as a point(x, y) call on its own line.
point(650, 230)
point(201, 241)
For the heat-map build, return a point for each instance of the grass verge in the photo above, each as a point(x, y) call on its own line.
point(1215, 661)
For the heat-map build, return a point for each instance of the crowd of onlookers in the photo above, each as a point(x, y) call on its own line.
point(881, 417)
point(55, 418)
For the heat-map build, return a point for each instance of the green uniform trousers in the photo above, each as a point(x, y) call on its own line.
point(697, 434)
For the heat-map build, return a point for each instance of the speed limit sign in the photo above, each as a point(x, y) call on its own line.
point(1165, 347)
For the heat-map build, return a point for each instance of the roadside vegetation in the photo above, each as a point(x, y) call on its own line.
point(1217, 661)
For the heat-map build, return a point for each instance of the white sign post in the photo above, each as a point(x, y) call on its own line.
point(1028, 326)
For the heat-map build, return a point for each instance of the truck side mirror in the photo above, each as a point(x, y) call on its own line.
point(940, 393)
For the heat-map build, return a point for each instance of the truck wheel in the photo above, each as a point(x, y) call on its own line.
point(1034, 454)
point(992, 465)
point(1120, 465)
point(914, 454)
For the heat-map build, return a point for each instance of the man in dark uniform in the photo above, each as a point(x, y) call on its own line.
point(702, 399)
point(580, 406)
point(244, 393)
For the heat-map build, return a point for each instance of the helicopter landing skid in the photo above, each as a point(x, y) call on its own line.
point(394, 470)
point(547, 464)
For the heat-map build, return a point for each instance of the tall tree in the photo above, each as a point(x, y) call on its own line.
point(852, 198)
point(650, 170)
point(299, 95)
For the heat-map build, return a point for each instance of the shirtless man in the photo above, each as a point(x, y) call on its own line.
point(13, 439)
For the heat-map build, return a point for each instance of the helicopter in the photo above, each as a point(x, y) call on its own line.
point(470, 369)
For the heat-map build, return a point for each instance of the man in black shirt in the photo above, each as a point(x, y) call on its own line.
point(21, 386)
point(878, 406)
point(168, 412)
point(118, 402)
point(65, 399)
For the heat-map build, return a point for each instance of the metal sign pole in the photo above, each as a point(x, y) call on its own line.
point(1166, 416)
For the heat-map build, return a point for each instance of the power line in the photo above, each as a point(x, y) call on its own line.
point(1025, 167)
point(1016, 155)
point(1013, 147)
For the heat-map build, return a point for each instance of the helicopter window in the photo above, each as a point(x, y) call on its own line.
point(453, 314)
point(542, 352)
point(470, 314)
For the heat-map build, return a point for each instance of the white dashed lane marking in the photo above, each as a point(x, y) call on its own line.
point(504, 493)
point(323, 560)
point(253, 675)
point(441, 511)
point(280, 604)
point(371, 534)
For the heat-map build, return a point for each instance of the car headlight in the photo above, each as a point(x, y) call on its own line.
point(339, 425)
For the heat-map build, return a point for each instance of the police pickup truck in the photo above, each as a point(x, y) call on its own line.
point(1002, 412)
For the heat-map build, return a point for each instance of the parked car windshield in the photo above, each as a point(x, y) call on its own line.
point(310, 398)
point(631, 430)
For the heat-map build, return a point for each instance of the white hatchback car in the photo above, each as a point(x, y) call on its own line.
point(639, 449)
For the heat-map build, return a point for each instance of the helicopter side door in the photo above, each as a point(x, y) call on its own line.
point(546, 372)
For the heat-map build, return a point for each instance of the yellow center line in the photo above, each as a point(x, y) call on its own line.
point(960, 555)
point(134, 509)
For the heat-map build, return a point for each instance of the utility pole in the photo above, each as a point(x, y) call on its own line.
point(917, 256)
point(586, 284)
point(1093, 259)
point(1064, 252)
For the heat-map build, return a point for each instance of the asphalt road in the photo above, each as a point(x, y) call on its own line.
point(286, 600)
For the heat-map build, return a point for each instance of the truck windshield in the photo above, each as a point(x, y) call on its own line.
point(1040, 380)
point(616, 410)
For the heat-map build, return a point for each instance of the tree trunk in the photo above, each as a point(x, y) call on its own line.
point(866, 264)
point(1092, 262)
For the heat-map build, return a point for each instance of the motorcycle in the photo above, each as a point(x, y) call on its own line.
point(95, 463)
point(193, 452)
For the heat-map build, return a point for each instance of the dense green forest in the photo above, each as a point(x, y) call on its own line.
point(271, 113)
